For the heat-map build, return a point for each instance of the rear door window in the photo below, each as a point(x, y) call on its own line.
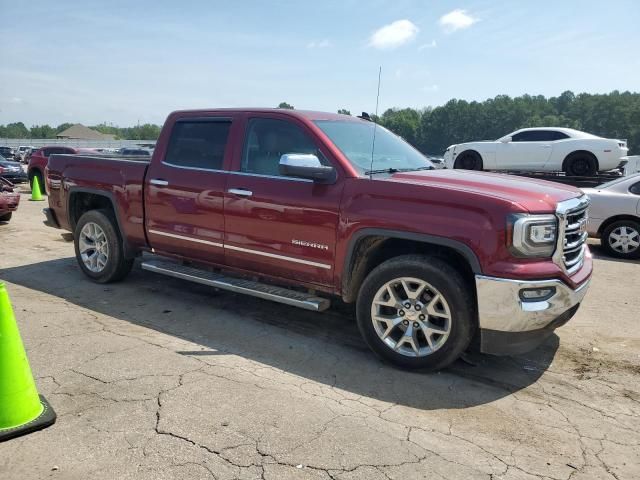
point(198, 143)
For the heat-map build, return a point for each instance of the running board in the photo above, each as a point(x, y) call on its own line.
point(238, 285)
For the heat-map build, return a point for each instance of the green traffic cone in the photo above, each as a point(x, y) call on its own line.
point(36, 194)
point(22, 410)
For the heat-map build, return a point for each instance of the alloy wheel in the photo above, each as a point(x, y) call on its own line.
point(94, 247)
point(411, 317)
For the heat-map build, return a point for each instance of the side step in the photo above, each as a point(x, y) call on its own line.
point(238, 285)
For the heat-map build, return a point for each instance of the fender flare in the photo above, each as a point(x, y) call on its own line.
point(459, 247)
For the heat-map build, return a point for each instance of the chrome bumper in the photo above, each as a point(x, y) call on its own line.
point(509, 325)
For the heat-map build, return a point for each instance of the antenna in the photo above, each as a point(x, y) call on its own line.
point(375, 124)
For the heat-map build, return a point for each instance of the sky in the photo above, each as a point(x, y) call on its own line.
point(123, 62)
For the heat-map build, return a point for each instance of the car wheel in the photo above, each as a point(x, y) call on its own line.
point(416, 312)
point(99, 248)
point(580, 165)
point(622, 239)
point(40, 182)
point(468, 161)
point(6, 217)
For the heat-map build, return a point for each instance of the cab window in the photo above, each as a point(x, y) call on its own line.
point(198, 143)
point(268, 139)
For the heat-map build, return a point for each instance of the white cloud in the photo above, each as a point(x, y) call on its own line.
point(319, 44)
point(456, 20)
point(15, 100)
point(431, 44)
point(394, 35)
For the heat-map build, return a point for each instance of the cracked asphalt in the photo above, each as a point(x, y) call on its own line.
point(155, 378)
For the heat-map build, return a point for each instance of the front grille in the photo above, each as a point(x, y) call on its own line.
point(573, 223)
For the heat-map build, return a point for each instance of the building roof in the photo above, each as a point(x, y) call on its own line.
point(80, 132)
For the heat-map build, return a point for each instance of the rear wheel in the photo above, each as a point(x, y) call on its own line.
point(417, 312)
point(468, 161)
point(622, 239)
point(99, 248)
point(6, 217)
point(580, 165)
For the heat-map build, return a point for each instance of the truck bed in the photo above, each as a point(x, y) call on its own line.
point(120, 178)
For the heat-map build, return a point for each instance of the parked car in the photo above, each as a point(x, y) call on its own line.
point(254, 201)
point(12, 171)
point(40, 158)
point(7, 152)
point(541, 149)
point(21, 151)
point(9, 200)
point(135, 151)
point(614, 216)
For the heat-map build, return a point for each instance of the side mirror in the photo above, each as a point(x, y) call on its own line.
point(506, 140)
point(305, 166)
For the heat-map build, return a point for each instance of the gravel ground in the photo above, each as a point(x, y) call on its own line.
point(156, 378)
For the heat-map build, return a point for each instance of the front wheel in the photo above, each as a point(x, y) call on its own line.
point(622, 239)
point(417, 312)
point(99, 248)
point(468, 161)
point(6, 217)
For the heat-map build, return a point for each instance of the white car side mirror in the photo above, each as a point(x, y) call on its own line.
point(505, 139)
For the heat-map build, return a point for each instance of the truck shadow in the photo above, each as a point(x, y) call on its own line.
point(324, 348)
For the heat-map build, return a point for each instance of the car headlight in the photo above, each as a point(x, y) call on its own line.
point(533, 235)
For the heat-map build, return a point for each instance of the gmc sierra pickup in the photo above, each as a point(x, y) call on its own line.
point(299, 207)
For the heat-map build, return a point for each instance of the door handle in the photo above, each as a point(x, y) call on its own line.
point(158, 182)
point(240, 192)
point(546, 146)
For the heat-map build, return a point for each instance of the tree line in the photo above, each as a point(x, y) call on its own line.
point(148, 131)
point(433, 129)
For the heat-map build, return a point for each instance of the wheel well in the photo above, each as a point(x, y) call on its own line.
point(475, 153)
point(82, 202)
point(371, 251)
point(579, 153)
point(617, 218)
point(33, 171)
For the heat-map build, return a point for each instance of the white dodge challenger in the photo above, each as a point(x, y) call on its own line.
point(541, 149)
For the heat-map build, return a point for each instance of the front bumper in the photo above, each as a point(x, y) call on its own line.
point(15, 177)
point(509, 325)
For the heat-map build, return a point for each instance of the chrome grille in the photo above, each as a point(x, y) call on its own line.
point(572, 217)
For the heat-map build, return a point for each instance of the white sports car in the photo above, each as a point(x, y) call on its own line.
point(541, 149)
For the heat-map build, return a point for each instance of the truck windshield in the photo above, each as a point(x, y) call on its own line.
point(355, 140)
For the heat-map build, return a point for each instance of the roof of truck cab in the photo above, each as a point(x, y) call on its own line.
point(305, 114)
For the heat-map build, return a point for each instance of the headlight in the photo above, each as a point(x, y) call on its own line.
point(533, 235)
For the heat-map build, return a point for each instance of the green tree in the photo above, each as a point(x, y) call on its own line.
point(16, 130)
point(285, 105)
point(344, 111)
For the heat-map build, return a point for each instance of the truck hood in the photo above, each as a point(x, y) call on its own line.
point(536, 196)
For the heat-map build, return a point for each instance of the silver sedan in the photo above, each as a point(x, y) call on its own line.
point(614, 216)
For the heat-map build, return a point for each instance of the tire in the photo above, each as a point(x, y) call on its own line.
point(440, 279)
point(105, 262)
point(6, 217)
point(38, 174)
point(621, 239)
point(581, 165)
point(468, 161)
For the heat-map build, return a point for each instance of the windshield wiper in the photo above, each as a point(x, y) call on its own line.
point(382, 170)
point(396, 170)
point(416, 169)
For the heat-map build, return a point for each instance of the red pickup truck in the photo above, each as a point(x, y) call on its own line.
point(299, 207)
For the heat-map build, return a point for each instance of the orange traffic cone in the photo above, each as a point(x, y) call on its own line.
point(22, 410)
